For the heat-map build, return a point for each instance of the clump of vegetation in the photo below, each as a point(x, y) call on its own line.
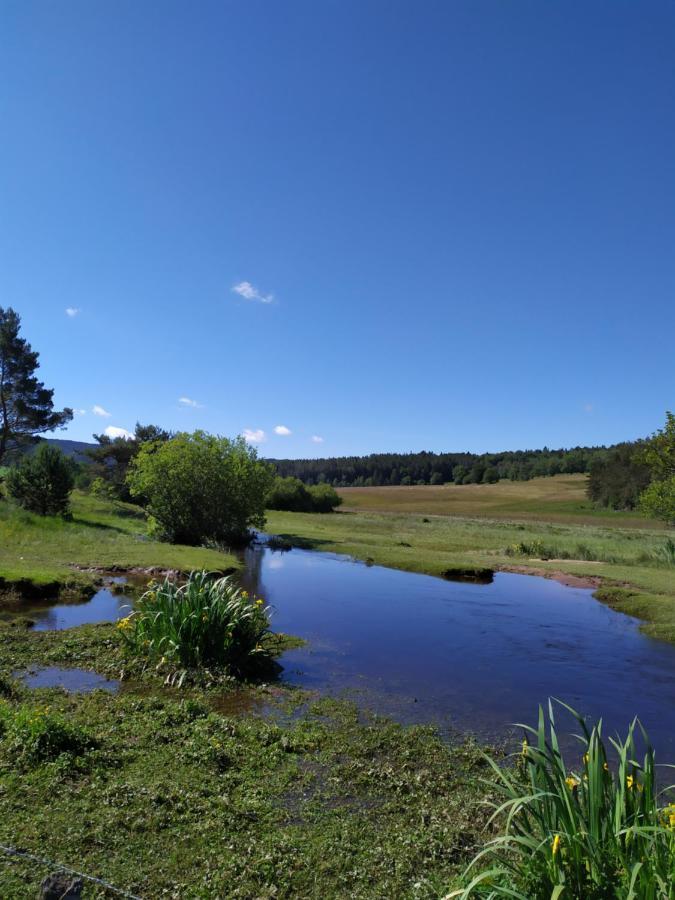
point(42, 482)
point(658, 499)
point(111, 458)
point(200, 488)
point(30, 735)
point(586, 833)
point(205, 622)
point(617, 480)
point(291, 495)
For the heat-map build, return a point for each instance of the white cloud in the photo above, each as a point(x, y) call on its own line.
point(72, 311)
point(317, 439)
point(282, 430)
point(246, 290)
point(114, 432)
point(186, 401)
point(99, 411)
point(254, 437)
point(80, 412)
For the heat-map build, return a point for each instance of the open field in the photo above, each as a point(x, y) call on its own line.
point(101, 534)
point(561, 498)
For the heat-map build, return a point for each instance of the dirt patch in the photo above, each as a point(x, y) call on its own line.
point(577, 581)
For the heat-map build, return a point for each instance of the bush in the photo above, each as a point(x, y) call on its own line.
point(324, 498)
point(42, 482)
point(289, 494)
point(199, 487)
point(581, 834)
point(205, 622)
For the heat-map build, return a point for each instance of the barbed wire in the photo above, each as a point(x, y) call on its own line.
point(23, 854)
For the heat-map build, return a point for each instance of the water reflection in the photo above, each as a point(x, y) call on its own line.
point(467, 656)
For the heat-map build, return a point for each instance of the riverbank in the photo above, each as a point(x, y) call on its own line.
point(623, 564)
point(43, 555)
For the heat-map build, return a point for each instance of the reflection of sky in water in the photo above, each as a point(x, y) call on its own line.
point(76, 681)
point(104, 606)
point(471, 656)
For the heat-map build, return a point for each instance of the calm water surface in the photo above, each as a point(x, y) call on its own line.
point(466, 656)
point(104, 606)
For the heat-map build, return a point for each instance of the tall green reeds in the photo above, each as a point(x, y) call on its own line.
point(589, 832)
point(205, 622)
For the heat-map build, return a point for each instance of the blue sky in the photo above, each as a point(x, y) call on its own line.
point(451, 224)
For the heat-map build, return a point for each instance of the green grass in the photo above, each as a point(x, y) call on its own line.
point(102, 534)
point(166, 796)
point(561, 498)
point(622, 560)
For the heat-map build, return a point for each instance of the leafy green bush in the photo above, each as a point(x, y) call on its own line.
point(199, 487)
point(324, 498)
point(291, 495)
point(42, 482)
point(581, 834)
point(30, 735)
point(206, 622)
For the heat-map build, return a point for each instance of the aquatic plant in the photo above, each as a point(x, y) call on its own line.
point(206, 621)
point(596, 831)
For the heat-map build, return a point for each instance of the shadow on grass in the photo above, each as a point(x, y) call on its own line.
point(295, 541)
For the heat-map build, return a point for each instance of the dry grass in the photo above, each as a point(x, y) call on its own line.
point(561, 498)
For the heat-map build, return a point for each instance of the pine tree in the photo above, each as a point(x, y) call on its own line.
point(26, 407)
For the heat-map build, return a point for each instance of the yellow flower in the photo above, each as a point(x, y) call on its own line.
point(258, 602)
point(629, 781)
point(605, 767)
point(523, 752)
point(555, 846)
point(670, 814)
point(572, 782)
point(585, 758)
point(125, 623)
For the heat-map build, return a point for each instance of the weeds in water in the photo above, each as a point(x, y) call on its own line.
point(581, 834)
point(206, 622)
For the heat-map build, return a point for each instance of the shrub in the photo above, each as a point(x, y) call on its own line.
point(31, 736)
point(42, 482)
point(582, 834)
point(199, 487)
point(324, 498)
point(206, 622)
point(289, 494)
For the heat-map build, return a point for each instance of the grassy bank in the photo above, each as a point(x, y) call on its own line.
point(102, 534)
point(624, 562)
point(161, 794)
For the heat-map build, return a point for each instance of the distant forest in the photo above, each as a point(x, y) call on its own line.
point(440, 468)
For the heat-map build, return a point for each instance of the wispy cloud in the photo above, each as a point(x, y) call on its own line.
point(254, 437)
point(186, 401)
point(246, 290)
point(99, 411)
point(72, 311)
point(80, 412)
point(114, 432)
point(282, 430)
point(317, 439)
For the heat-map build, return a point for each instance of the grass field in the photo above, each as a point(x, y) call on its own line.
point(101, 534)
point(561, 498)
point(511, 527)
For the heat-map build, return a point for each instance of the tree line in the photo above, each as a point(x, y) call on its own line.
point(382, 469)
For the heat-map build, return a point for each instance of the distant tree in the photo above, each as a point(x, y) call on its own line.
point(26, 406)
point(42, 482)
point(199, 487)
point(289, 494)
point(325, 498)
point(459, 473)
point(436, 478)
point(491, 475)
point(658, 454)
point(617, 480)
point(111, 458)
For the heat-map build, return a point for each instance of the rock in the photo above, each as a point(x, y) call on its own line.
point(61, 887)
